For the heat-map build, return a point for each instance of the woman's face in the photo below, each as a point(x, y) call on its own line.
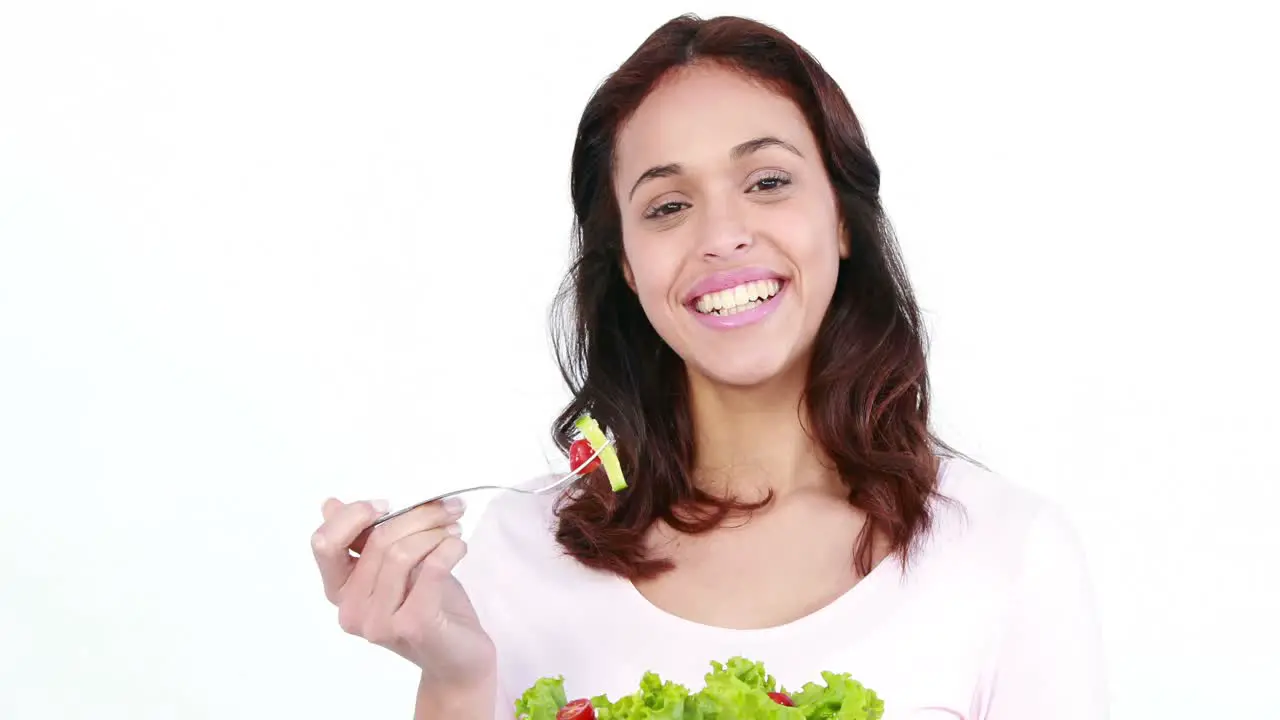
point(730, 227)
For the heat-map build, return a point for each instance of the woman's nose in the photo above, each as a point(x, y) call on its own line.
point(723, 235)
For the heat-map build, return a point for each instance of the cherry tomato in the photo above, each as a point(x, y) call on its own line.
point(781, 699)
point(579, 451)
point(577, 710)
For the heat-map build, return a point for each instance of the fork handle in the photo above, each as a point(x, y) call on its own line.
point(358, 544)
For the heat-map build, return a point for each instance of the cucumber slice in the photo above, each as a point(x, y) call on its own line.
point(590, 430)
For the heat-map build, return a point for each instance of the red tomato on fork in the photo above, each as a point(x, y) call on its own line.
point(579, 451)
point(577, 710)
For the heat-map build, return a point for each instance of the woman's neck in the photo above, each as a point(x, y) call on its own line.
point(748, 441)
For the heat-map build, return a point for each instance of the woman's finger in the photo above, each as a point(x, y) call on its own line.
point(330, 507)
point(423, 599)
point(438, 513)
point(427, 517)
point(329, 543)
point(398, 564)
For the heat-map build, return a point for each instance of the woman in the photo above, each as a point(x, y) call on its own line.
point(788, 502)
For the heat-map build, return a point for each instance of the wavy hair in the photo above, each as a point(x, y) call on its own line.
point(866, 395)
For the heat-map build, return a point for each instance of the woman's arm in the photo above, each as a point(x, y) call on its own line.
point(455, 703)
point(1048, 665)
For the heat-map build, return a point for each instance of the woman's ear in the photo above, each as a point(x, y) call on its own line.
point(843, 241)
point(626, 274)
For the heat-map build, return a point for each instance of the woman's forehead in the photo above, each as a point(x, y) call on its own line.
point(697, 115)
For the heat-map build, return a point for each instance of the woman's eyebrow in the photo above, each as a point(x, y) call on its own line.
point(738, 152)
point(742, 150)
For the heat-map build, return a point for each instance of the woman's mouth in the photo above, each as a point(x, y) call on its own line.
point(737, 299)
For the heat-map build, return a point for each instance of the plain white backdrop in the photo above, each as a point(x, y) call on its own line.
point(256, 253)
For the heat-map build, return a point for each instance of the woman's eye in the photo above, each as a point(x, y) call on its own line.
point(771, 182)
point(667, 208)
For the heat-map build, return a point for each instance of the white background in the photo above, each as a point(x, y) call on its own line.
point(256, 253)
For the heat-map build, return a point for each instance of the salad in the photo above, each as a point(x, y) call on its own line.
point(737, 690)
point(593, 439)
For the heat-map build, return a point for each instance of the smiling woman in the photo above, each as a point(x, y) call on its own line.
point(721, 155)
point(738, 319)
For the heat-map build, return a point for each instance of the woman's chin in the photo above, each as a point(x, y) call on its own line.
point(744, 372)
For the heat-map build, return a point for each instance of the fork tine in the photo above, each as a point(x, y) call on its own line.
point(574, 473)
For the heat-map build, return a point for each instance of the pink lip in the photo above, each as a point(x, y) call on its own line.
point(727, 279)
point(744, 318)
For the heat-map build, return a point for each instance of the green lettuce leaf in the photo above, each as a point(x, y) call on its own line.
point(739, 690)
point(842, 698)
point(735, 690)
point(656, 700)
point(543, 700)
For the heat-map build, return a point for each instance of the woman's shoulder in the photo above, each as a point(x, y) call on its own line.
point(1009, 557)
point(989, 494)
point(994, 520)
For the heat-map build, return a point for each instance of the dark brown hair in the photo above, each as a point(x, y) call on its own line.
point(867, 392)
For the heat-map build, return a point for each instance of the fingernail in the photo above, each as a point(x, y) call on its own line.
point(380, 505)
point(454, 505)
point(454, 529)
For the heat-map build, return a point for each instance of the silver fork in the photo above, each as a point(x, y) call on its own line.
point(358, 544)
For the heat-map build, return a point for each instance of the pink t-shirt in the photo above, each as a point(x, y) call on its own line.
point(994, 620)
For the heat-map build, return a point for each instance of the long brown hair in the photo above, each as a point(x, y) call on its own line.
point(867, 392)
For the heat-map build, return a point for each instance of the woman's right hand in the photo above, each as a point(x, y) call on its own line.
point(400, 593)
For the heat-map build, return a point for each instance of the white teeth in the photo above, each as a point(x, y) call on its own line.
point(736, 299)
